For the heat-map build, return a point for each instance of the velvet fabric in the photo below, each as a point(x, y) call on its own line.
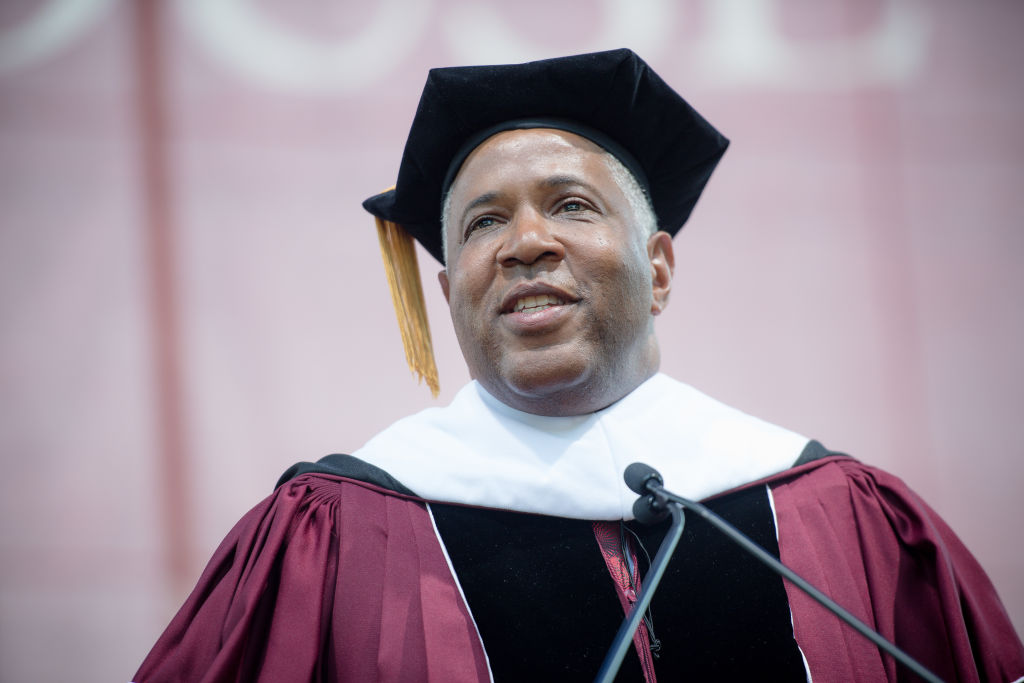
point(870, 543)
point(546, 602)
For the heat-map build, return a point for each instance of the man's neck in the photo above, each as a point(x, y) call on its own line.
point(581, 398)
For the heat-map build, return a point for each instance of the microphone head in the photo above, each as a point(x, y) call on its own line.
point(647, 510)
point(638, 475)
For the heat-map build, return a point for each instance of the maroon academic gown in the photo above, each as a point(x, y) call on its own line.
point(335, 579)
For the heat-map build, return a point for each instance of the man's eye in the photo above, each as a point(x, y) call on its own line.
point(573, 206)
point(483, 222)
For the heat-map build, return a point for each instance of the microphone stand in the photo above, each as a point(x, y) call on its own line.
point(624, 636)
point(645, 480)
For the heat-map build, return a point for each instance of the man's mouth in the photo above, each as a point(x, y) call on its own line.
point(533, 304)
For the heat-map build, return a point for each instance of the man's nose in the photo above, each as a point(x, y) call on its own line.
point(530, 238)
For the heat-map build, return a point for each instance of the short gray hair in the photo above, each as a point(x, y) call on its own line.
point(646, 221)
point(639, 202)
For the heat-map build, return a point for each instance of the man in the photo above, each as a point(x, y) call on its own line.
point(551, 190)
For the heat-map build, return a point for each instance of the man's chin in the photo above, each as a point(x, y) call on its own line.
point(544, 386)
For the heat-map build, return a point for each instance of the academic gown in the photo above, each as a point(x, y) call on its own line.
point(344, 574)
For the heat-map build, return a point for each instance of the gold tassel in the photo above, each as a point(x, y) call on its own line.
point(399, 252)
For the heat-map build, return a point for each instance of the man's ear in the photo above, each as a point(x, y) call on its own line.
point(442, 277)
point(663, 264)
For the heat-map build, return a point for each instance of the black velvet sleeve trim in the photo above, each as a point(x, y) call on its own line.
point(814, 451)
point(347, 466)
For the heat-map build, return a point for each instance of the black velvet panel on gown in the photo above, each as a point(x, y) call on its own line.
point(547, 609)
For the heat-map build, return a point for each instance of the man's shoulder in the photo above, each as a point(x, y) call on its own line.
point(827, 480)
point(347, 467)
point(813, 457)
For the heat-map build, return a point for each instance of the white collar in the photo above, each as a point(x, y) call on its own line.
point(480, 451)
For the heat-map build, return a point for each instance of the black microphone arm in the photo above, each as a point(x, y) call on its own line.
point(624, 636)
point(658, 501)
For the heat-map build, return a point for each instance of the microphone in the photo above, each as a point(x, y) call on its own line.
point(652, 506)
point(647, 509)
point(655, 502)
point(638, 475)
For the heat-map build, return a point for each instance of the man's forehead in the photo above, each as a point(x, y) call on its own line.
point(545, 149)
point(502, 192)
point(512, 141)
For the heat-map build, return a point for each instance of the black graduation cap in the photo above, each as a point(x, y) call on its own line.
point(612, 98)
point(615, 94)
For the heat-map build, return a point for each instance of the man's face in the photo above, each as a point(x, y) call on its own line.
point(552, 288)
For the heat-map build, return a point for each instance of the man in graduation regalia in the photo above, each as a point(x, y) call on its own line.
point(494, 539)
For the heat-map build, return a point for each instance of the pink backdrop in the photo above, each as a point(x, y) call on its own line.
point(192, 300)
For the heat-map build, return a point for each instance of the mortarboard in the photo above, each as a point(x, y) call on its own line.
point(612, 98)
